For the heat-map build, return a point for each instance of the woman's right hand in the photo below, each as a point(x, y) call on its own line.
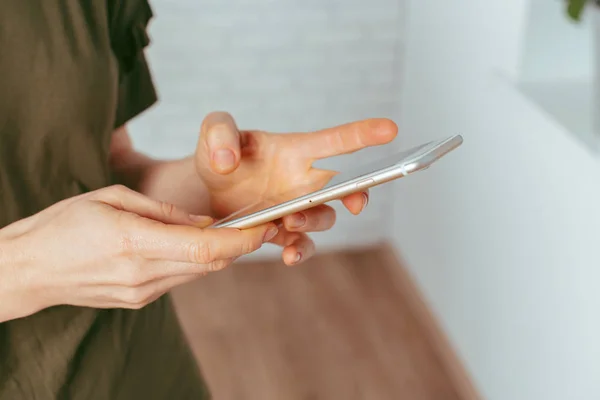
point(111, 248)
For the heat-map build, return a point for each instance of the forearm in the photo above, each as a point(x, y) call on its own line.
point(174, 182)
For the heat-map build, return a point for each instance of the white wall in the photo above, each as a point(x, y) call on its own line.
point(279, 65)
point(504, 234)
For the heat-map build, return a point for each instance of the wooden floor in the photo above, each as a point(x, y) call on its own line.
point(338, 327)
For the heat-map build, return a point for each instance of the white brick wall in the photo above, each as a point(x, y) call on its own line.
point(279, 65)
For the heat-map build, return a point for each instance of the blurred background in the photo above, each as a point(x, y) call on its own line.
point(478, 278)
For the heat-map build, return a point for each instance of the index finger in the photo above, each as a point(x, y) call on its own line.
point(347, 138)
point(157, 241)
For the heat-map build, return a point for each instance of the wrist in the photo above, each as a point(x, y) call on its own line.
point(18, 297)
point(133, 169)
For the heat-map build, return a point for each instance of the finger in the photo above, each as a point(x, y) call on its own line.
point(316, 219)
point(356, 202)
point(199, 246)
point(119, 296)
point(220, 142)
point(346, 138)
point(159, 269)
point(298, 246)
point(125, 199)
point(138, 297)
point(300, 250)
point(144, 275)
point(185, 272)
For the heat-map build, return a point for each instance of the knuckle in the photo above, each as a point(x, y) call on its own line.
point(126, 245)
point(125, 228)
point(145, 299)
point(219, 265)
point(167, 209)
point(337, 141)
point(324, 220)
point(252, 245)
point(134, 297)
point(331, 218)
point(259, 240)
point(249, 245)
point(200, 253)
point(118, 189)
point(113, 193)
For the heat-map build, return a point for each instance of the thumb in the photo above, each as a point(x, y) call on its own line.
point(125, 199)
point(219, 147)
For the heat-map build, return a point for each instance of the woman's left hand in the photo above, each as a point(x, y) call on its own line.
point(240, 168)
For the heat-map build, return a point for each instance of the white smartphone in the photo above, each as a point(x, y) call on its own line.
point(385, 170)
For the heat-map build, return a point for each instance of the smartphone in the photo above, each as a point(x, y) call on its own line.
point(367, 176)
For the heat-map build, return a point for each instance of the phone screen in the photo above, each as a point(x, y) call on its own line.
point(341, 177)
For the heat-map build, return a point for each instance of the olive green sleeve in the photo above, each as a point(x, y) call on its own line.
point(136, 92)
point(136, 87)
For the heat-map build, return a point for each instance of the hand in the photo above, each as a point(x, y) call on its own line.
point(113, 248)
point(243, 167)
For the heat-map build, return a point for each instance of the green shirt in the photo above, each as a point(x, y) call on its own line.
point(71, 71)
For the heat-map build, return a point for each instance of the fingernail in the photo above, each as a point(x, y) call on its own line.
point(270, 234)
point(365, 200)
point(298, 258)
point(297, 220)
point(224, 158)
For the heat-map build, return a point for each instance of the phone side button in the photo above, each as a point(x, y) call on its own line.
point(364, 184)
